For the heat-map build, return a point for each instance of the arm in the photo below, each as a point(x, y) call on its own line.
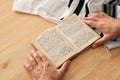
point(110, 27)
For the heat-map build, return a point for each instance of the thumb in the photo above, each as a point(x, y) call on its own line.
point(100, 42)
point(64, 67)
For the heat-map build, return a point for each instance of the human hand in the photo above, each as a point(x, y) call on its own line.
point(110, 27)
point(40, 68)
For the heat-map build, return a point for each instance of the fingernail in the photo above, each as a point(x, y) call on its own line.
point(68, 61)
point(24, 64)
point(94, 46)
point(33, 50)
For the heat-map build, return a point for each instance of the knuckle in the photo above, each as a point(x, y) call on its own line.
point(101, 25)
point(92, 23)
point(47, 63)
point(30, 68)
point(36, 56)
point(101, 14)
point(31, 59)
point(95, 14)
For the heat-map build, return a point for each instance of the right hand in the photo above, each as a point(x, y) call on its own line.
point(109, 26)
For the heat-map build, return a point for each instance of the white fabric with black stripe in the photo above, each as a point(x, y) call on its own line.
point(57, 10)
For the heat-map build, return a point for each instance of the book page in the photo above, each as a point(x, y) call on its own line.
point(54, 46)
point(77, 32)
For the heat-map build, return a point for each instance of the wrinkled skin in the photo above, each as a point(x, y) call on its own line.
point(109, 26)
point(40, 68)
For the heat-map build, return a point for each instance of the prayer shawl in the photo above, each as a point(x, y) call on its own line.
point(57, 10)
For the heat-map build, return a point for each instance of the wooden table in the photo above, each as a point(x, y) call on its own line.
point(18, 29)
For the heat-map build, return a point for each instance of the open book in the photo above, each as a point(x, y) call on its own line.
point(65, 40)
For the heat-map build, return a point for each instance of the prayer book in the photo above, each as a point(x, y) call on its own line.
point(65, 40)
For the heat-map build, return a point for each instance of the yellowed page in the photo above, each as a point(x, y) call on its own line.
point(54, 46)
point(77, 33)
point(65, 40)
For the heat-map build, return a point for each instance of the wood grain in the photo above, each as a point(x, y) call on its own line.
point(18, 29)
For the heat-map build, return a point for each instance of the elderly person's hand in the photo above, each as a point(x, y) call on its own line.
point(110, 27)
point(40, 68)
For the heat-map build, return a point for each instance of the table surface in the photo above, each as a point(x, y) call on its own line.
point(18, 29)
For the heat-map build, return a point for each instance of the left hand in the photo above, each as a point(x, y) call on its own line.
point(40, 68)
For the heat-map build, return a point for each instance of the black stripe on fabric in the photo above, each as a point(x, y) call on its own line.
point(70, 2)
point(87, 9)
point(105, 8)
point(110, 8)
point(119, 3)
point(79, 7)
point(114, 11)
point(111, 2)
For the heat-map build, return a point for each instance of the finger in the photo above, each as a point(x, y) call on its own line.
point(100, 42)
point(28, 68)
point(64, 67)
point(37, 57)
point(91, 23)
point(99, 14)
point(32, 61)
point(43, 57)
point(102, 14)
point(93, 14)
point(91, 18)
